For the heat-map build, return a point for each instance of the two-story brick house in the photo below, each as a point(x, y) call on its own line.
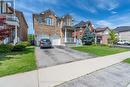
point(79, 30)
point(48, 25)
point(23, 31)
point(102, 35)
point(13, 26)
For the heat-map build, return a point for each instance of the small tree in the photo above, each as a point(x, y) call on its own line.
point(112, 37)
point(30, 37)
point(88, 36)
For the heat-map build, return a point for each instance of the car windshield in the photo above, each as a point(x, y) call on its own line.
point(45, 40)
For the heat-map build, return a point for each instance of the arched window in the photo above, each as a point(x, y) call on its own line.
point(48, 21)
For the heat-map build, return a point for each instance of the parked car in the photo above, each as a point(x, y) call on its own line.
point(127, 42)
point(44, 43)
point(121, 42)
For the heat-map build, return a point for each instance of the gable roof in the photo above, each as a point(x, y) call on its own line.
point(49, 11)
point(101, 29)
point(67, 16)
point(122, 29)
point(81, 24)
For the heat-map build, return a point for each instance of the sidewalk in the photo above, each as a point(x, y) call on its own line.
point(52, 76)
point(27, 79)
point(59, 74)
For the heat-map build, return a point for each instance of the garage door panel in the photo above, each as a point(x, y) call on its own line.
point(55, 40)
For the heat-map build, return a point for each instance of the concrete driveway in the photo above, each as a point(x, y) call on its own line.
point(58, 55)
point(117, 75)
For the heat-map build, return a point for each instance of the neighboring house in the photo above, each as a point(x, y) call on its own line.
point(79, 30)
point(13, 27)
point(23, 31)
point(102, 35)
point(123, 32)
point(48, 25)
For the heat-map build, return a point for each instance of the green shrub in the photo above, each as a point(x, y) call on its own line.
point(24, 43)
point(19, 47)
point(4, 48)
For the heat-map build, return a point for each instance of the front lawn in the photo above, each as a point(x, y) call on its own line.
point(127, 60)
point(100, 50)
point(16, 62)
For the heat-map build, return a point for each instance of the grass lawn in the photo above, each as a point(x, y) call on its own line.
point(100, 50)
point(16, 62)
point(127, 60)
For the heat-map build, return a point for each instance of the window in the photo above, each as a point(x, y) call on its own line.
point(48, 21)
point(2, 7)
point(40, 19)
point(68, 22)
point(0, 10)
point(1, 24)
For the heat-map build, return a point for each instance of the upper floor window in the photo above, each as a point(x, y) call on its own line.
point(3, 7)
point(48, 21)
point(39, 19)
point(0, 10)
point(68, 22)
point(1, 24)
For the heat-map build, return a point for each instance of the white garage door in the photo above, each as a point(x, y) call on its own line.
point(55, 40)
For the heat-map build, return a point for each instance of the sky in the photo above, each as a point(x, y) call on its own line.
point(102, 13)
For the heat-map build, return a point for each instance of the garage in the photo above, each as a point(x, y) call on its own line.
point(55, 39)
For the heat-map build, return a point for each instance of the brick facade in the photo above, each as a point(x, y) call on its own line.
point(102, 35)
point(23, 33)
point(23, 28)
point(48, 25)
point(15, 23)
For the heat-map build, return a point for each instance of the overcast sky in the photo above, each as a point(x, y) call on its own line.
point(101, 13)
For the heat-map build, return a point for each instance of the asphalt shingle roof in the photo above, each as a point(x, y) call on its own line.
point(101, 29)
point(81, 24)
point(122, 29)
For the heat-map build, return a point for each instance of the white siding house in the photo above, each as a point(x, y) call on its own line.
point(123, 32)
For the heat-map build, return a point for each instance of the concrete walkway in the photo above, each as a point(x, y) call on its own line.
point(28, 79)
point(55, 75)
